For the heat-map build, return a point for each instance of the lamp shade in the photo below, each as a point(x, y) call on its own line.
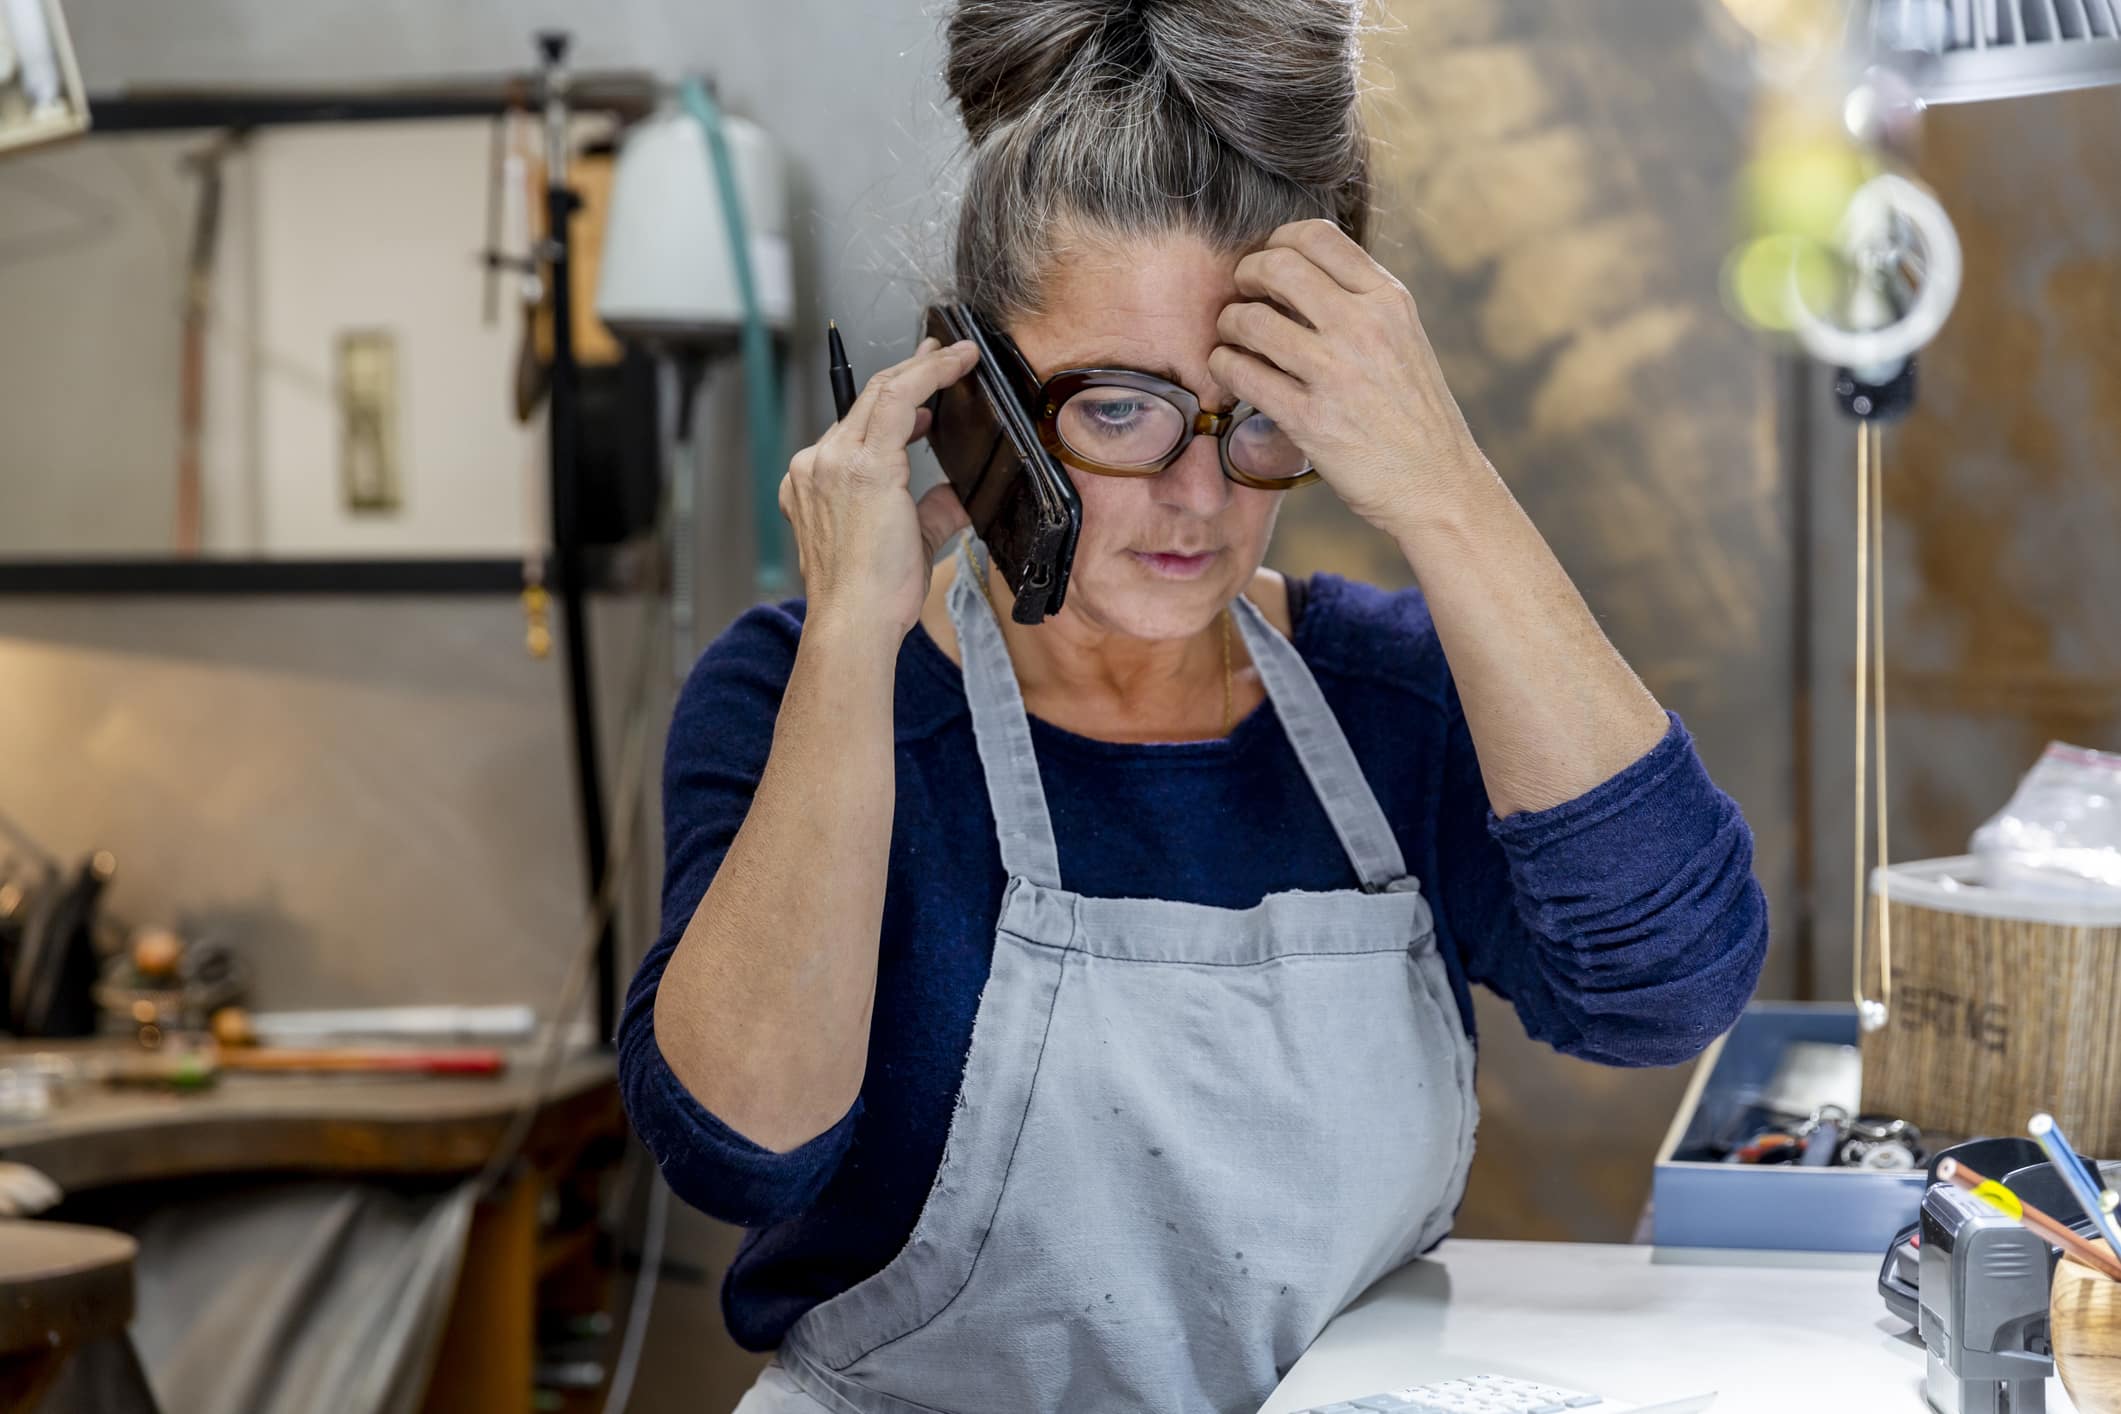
point(667, 274)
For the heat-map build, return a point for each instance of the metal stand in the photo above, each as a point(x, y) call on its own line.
point(561, 203)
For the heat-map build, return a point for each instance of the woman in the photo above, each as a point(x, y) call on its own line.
point(1077, 1015)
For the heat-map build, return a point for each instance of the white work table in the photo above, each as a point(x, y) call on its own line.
point(1768, 1331)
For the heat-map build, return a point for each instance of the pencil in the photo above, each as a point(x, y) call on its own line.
point(2086, 1184)
point(2007, 1202)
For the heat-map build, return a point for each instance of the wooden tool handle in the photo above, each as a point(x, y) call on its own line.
point(366, 1060)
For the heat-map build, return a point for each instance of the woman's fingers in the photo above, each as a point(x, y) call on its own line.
point(849, 431)
point(894, 419)
point(942, 515)
point(1290, 279)
point(859, 535)
point(1329, 248)
point(1260, 383)
point(1273, 336)
point(799, 469)
point(840, 449)
point(842, 444)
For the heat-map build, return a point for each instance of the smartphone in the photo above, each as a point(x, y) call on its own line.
point(1021, 503)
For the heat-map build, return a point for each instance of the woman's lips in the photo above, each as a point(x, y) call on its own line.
point(1174, 566)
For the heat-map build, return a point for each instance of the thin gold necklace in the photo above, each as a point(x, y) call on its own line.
point(1229, 677)
point(1229, 697)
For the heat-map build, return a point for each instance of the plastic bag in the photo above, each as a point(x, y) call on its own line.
point(2061, 831)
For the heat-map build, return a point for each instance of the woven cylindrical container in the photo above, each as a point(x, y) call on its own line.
point(2003, 1004)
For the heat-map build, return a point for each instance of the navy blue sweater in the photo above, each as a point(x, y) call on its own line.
point(1624, 926)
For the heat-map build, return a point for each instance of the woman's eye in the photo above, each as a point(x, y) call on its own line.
point(1120, 427)
point(1115, 415)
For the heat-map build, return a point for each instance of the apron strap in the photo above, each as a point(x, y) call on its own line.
point(1002, 730)
point(1323, 749)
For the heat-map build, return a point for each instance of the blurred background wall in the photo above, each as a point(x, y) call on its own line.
point(1554, 181)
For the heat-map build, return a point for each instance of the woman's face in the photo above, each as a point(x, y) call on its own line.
point(1159, 556)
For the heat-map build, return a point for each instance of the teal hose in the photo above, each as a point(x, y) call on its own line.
point(762, 393)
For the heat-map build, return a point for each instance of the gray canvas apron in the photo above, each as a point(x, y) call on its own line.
point(1187, 1136)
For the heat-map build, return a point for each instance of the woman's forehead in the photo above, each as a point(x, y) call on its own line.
point(1148, 303)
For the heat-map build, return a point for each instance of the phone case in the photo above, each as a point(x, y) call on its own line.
point(1019, 499)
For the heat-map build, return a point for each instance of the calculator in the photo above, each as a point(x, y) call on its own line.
point(1498, 1394)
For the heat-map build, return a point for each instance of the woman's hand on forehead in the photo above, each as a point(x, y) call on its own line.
point(1329, 344)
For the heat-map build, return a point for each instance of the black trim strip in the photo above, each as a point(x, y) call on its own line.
point(629, 95)
point(373, 577)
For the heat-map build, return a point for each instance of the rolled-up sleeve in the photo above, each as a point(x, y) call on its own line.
point(720, 736)
point(710, 1165)
point(1624, 926)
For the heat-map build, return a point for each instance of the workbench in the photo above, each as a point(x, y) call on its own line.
point(420, 1129)
point(1767, 1332)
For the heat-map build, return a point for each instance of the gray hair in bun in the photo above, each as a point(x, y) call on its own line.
point(1220, 118)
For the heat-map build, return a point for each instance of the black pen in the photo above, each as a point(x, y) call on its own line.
point(842, 375)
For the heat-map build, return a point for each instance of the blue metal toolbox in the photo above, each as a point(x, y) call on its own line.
point(1696, 1202)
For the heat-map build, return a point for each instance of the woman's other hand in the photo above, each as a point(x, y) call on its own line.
point(863, 544)
point(1327, 343)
